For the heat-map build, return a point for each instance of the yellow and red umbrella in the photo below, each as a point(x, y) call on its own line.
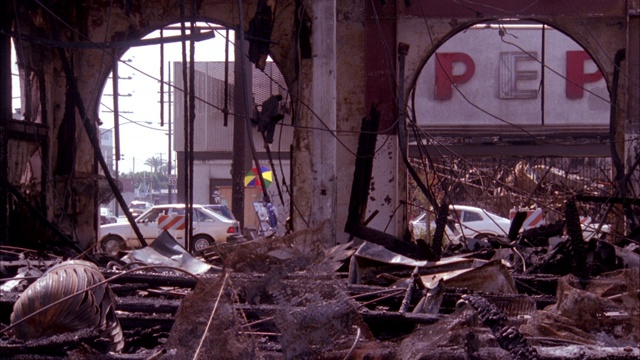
point(252, 178)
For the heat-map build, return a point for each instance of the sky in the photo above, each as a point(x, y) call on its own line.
point(141, 136)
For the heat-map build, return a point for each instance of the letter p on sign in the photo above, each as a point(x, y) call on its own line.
point(576, 78)
point(445, 79)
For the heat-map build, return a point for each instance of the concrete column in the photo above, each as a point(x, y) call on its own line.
point(322, 144)
point(241, 152)
point(351, 107)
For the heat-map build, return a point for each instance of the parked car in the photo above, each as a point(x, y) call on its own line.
point(477, 223)
point(221, 209)
point(137, 207)
point(107, 217)
point(208, 228)
point(470, 221)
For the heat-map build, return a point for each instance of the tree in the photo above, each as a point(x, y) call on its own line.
point(154, 163)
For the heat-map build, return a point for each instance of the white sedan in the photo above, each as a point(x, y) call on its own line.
point(470, 221)
point(208, 228)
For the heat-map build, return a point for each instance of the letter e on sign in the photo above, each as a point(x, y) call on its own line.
point(512, 77)
point(445, 79)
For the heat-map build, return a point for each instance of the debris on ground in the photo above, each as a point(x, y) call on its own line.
point(290, 298)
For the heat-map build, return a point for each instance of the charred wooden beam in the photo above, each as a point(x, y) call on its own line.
point(152, 279)
point(392, 243)
point(441, 223)
point(406, 301)
point(577, 247)
point(147, 305)
point(516, 224)
point(363, 168)
point(27, 131)
point(415, 284)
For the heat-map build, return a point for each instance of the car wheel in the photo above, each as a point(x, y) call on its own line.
point(201, 242)
point(111, 244)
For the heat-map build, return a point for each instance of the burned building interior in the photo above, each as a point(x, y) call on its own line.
point(350, 276)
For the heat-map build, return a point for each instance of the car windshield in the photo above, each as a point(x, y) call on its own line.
point(138, 206)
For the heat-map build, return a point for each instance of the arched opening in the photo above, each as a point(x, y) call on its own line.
point(511, 114)
point(151, 111)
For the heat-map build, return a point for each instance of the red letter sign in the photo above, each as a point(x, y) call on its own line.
point(576, 78)
point(444, 73)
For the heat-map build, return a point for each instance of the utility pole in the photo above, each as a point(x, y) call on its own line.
point(116, 116)
point(169, 133)
point(169, 91)
point(170, 186)
point(115, 78)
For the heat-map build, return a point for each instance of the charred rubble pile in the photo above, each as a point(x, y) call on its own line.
point(290, 298)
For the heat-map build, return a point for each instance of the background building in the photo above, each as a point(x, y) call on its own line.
point(214, 137)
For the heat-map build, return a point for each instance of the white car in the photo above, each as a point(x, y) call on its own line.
point(470, 221)
point(208, 228)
